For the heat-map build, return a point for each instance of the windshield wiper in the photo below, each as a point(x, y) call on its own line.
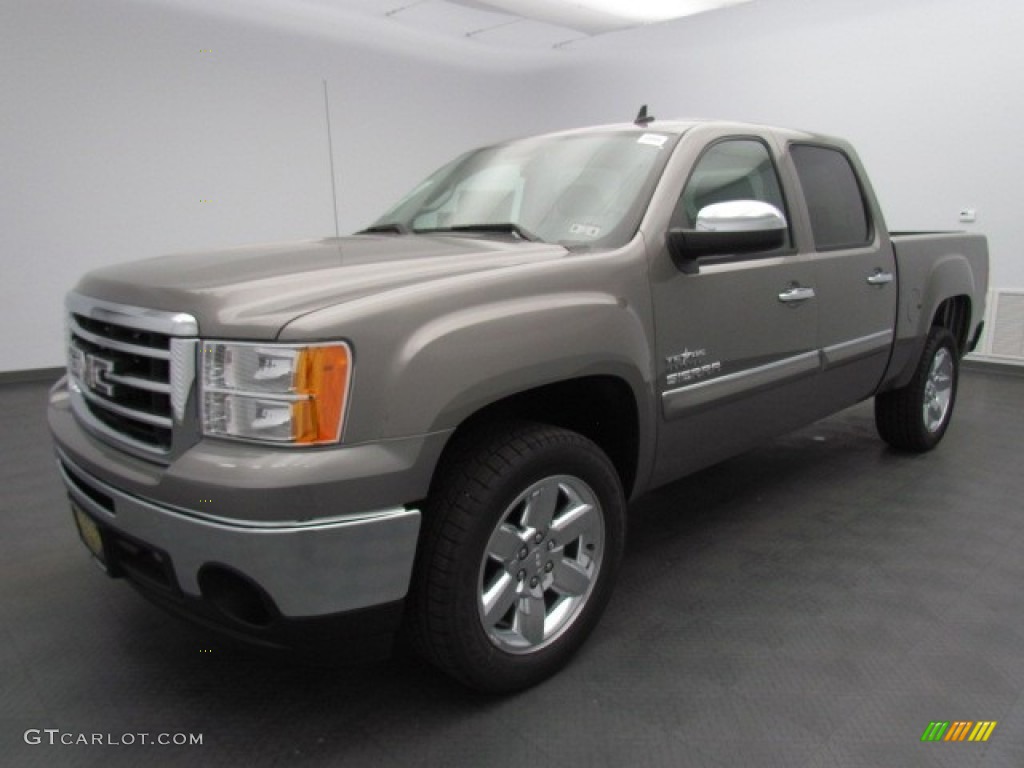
point(507, 228)
point(394, 229)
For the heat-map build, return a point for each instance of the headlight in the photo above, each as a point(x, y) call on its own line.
point(281, 393)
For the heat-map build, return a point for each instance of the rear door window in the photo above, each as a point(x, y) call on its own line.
point(835, 201)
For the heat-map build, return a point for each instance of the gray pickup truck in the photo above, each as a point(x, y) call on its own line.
point(433, 426)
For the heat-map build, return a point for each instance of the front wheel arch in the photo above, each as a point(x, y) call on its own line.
point(484, 478)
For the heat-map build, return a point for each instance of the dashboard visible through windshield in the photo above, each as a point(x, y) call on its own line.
point(577, 190)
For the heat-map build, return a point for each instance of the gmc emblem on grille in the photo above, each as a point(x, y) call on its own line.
point(95, 374)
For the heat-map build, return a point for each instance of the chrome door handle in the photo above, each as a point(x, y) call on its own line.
point(880, 278)
point(796, 294)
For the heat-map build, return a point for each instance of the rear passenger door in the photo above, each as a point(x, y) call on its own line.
point(855, 275)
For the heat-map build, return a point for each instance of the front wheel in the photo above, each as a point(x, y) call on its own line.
point(915, 417)
point(522, 541)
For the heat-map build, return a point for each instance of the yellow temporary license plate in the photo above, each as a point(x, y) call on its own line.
point(90, 532)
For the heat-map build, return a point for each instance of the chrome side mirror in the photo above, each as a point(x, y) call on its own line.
point(724, 229)
point(741, 216)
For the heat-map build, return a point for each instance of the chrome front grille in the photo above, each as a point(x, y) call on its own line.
point(131, 370)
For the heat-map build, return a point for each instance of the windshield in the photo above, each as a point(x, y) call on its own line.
point(576, 190)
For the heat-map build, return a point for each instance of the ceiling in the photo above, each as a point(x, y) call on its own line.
point(525, 24)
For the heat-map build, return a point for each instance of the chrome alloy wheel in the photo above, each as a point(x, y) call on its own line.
point(938, 390)
point(541, 564)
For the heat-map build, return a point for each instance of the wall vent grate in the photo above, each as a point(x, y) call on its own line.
point(1007, 332)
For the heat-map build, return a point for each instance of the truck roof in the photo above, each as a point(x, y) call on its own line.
point(683, 125)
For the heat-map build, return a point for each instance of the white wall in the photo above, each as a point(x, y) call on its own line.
point(931, 92)
point(115, 127)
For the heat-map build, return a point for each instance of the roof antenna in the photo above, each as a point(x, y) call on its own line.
point(642, 118)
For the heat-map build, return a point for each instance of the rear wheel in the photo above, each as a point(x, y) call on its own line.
point(522, 542)
point(915, 417)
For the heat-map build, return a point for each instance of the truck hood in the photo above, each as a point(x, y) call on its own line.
point(254, 291)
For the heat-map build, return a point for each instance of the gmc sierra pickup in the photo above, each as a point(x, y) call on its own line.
point(434, 425)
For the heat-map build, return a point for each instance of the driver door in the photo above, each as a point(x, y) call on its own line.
point(737, 341)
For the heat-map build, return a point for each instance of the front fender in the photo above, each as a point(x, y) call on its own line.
point(428, 355)
point(468, 358)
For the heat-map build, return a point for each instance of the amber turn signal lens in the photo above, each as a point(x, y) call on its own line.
point(322, 374)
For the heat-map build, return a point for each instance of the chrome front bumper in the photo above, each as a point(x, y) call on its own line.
point(325, 566)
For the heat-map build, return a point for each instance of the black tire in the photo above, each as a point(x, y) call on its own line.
point(915, 417)
point(476, 512)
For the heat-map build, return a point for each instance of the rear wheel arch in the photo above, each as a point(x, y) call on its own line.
point(954, 314)
point(914, 417)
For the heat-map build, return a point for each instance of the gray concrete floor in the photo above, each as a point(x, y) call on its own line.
point(816, 602)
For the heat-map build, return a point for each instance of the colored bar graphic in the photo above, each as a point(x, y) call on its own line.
point(982, 731)
point(959, 730)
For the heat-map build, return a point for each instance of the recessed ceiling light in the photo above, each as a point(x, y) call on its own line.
point(654, 10)
point(595, 16)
